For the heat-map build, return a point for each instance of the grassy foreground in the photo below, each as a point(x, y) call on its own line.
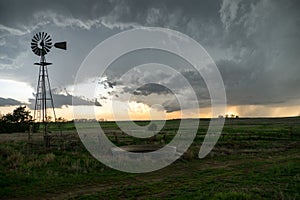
point(253, 159)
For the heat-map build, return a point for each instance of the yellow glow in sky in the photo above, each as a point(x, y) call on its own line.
point(143, 112)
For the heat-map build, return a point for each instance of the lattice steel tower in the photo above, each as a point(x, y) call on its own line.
point(41, 44)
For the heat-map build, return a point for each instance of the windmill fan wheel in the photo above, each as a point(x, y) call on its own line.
point(41, 43)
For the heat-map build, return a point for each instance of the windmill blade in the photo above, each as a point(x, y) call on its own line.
point(40, 35)
point(34, 49)
point(33, 40)
point(35, 37)
point(33, 44)
point(48, 40)
point(48, 37)
point(47, 50)
point(37, 52)
point(48, 47)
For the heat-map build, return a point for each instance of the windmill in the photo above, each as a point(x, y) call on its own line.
point(41, 44)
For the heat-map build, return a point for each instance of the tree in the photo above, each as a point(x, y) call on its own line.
point(61, 119)
point(18, 121)
point(19, 115)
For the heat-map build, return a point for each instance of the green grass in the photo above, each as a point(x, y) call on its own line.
point(254, 159)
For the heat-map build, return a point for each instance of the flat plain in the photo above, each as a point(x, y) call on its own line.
point(255, 158)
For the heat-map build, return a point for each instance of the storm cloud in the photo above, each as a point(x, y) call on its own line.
point(9, 102)
point(65, 99)
point(255, 44)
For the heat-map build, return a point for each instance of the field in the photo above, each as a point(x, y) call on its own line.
point(253, 159)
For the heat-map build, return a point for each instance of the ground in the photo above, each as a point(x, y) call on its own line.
point(253, 159)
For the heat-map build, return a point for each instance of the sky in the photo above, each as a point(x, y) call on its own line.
point(254, 44)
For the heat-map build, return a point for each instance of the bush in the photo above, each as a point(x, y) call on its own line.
point(10, 127)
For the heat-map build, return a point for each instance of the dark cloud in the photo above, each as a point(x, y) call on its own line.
point(9, 102)
point(169, 102)
point(61, 100)
point(97, 103)
point(108, 84)
point(151, 94)
point(148, 89)
point(171, 106)
point(66, 100)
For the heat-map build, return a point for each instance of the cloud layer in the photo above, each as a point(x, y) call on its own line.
point(255, 44)
point(9, 102)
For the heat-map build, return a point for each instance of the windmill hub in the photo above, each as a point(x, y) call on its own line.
point(42, 44)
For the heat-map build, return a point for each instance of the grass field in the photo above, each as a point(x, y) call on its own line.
point(253, 159)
